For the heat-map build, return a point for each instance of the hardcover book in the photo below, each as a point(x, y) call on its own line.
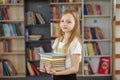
point(53, 55)
point(104, 65)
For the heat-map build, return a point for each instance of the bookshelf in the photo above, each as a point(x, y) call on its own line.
point(116, 41)
point(95, 15)
point(12, 47)
point(35, 26)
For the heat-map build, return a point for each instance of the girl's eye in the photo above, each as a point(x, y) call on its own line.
point(68, 21)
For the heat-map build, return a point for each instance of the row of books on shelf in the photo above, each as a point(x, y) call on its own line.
point(92, 9)
point(32, 37)
point(65, 0)
point(33, 18)
point(9, 29)
point(103, 66)
point(11, 13)
point(10, 1)
point(5, 45)
point(7, 68)
point(57, 60)
point(32, 70)
point(56, 11)
point(93, 33)
point(4, 13)
point(92, 48)
point(34, 53)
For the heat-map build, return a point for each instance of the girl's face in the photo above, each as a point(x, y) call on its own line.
point(67, 22)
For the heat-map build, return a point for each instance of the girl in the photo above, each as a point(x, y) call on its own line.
point(69, 43)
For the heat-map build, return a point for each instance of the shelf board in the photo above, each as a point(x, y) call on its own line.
point(65, 3)
point(117, 39)
point(12, 37)
point(95, 0)
point(97, 56)
point(11, 20)
point(96, 40)
point(117, 55)
point(98, 75)
point(98, 16)
point(117, 22)
point(16, 4)
point(36, 25)
point(13, 53)
point(17, 76)
point(55, 20)
point(117, 71)
point(39, 41)
point(117, 5)
point(53, 37)
point(58, 20)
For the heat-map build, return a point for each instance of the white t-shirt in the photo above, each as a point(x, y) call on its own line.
point(74, 48)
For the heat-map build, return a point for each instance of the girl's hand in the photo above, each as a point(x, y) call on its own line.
point(54, 72)
point(42, 67)
point(48, 68)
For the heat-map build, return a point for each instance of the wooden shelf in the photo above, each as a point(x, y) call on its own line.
point(90, 75)
point(117, 5)
point(58, 20)
point(117, 55)
point(98, 16)
point(117, 72)
point(118, 39)
point(11, 20)
point(16, 4)
point(96, 40)
point(117, 22)
point(17, 76)
point(97, 56)
point(66, 3)
point(12, 37)
point(55, 20)
point(13, 53)
point(95, 0)
point(37, 25)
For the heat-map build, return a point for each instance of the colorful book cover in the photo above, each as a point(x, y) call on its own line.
point(104, 65)
point(90, 49)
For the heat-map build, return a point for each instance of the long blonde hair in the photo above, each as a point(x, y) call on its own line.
point(74, 33)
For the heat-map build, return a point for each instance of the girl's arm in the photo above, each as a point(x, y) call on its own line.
point(73, 69)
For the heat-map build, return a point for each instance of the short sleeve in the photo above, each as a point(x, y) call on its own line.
point(75, 47)
point(55, 43)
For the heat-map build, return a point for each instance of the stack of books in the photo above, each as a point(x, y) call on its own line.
point(57, 60)
point(35, 37)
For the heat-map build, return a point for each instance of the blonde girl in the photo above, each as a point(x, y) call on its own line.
point(69, 43)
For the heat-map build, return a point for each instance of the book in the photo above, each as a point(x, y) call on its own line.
point(90, 49)
point(14, 72)
point(35, 37)
point(53, 55)
point(87, 68)
point(104, 65)
point(99, 33)
point(31, 72)
point(36, 72)
point(1, 69)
